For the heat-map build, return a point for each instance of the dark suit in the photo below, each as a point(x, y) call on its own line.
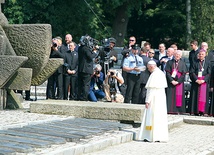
point(144, 78)
point(85, 71)
point(162, 64)
point(71, 61)
point(157, 54)
point(56, 80)
point(193, 56)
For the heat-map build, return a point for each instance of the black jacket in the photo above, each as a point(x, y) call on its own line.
point(85, 57)
point(71, 61)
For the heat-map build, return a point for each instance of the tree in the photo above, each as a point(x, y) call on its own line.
point(162, 21)
point(202, 21)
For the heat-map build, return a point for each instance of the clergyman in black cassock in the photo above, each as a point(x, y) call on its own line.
point(176, 70)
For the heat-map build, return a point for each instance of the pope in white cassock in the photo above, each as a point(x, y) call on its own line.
point(154, 126)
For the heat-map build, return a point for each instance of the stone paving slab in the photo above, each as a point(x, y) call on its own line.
point(56, 140)
point(28, 138)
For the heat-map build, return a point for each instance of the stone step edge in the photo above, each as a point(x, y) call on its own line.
point(95, 145)
point(199, 120)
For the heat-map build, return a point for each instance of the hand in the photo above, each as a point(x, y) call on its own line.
point(174, 83)
point(71, 71)
point(113, 58)
point(137, 69)
point(55, 48)
point(147, 105)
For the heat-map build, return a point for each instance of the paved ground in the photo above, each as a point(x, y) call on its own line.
point(188, 139)
point(184, 140)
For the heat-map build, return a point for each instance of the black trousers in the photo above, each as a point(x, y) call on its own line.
point(71, 81)
point(55, 81)
point(142, 95)
point(84, 80)
point(133, 88)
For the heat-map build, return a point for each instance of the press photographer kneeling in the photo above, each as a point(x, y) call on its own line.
point(96, 91)
point(113, 82)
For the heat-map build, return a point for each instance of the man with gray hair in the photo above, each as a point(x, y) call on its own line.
point(96, 86)
point(176, 70)
point(164, 59)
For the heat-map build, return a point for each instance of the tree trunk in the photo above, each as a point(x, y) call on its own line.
point(188, 18)
point(120, 24)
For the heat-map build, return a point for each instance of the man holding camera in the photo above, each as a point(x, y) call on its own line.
point(133, 65)
point(108, 56)
point(113, 82)
point(57, 77)
point(96, 85)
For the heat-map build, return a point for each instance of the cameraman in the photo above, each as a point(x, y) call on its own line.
point(113, 82)
point(55, 80)
point(96, 84)
point(108, 56)
point(85, 67)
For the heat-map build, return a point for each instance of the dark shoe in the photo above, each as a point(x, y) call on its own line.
point(145, 140)
point(28, 99)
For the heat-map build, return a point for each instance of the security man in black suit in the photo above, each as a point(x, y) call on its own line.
point(70, 75)
point(85, 69)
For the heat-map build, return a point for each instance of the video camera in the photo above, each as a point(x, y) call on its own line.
point(89, 41)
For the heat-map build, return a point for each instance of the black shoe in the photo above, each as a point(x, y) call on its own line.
point(145, 140)
point(28, 99)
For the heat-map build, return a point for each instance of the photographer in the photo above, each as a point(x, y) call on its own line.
point(96, 84)
point(113, 82)
point(107, 54)
point(55, 80)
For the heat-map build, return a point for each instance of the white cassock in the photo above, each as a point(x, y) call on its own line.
point(154, 126)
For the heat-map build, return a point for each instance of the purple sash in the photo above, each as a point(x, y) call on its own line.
point(179, 92)
point(202, 91)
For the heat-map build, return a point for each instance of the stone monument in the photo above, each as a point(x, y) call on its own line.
point(24, 58)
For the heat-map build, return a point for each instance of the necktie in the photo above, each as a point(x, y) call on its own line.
point(136, 60)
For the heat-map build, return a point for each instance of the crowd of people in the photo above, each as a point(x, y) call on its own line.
point(88, 74)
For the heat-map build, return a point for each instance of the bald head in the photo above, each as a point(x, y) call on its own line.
point(68, 38)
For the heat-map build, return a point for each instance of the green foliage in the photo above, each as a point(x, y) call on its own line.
point(202, 21)
point(151, 20)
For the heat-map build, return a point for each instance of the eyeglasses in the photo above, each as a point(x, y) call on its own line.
point(131, 40)
point(151, 53)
